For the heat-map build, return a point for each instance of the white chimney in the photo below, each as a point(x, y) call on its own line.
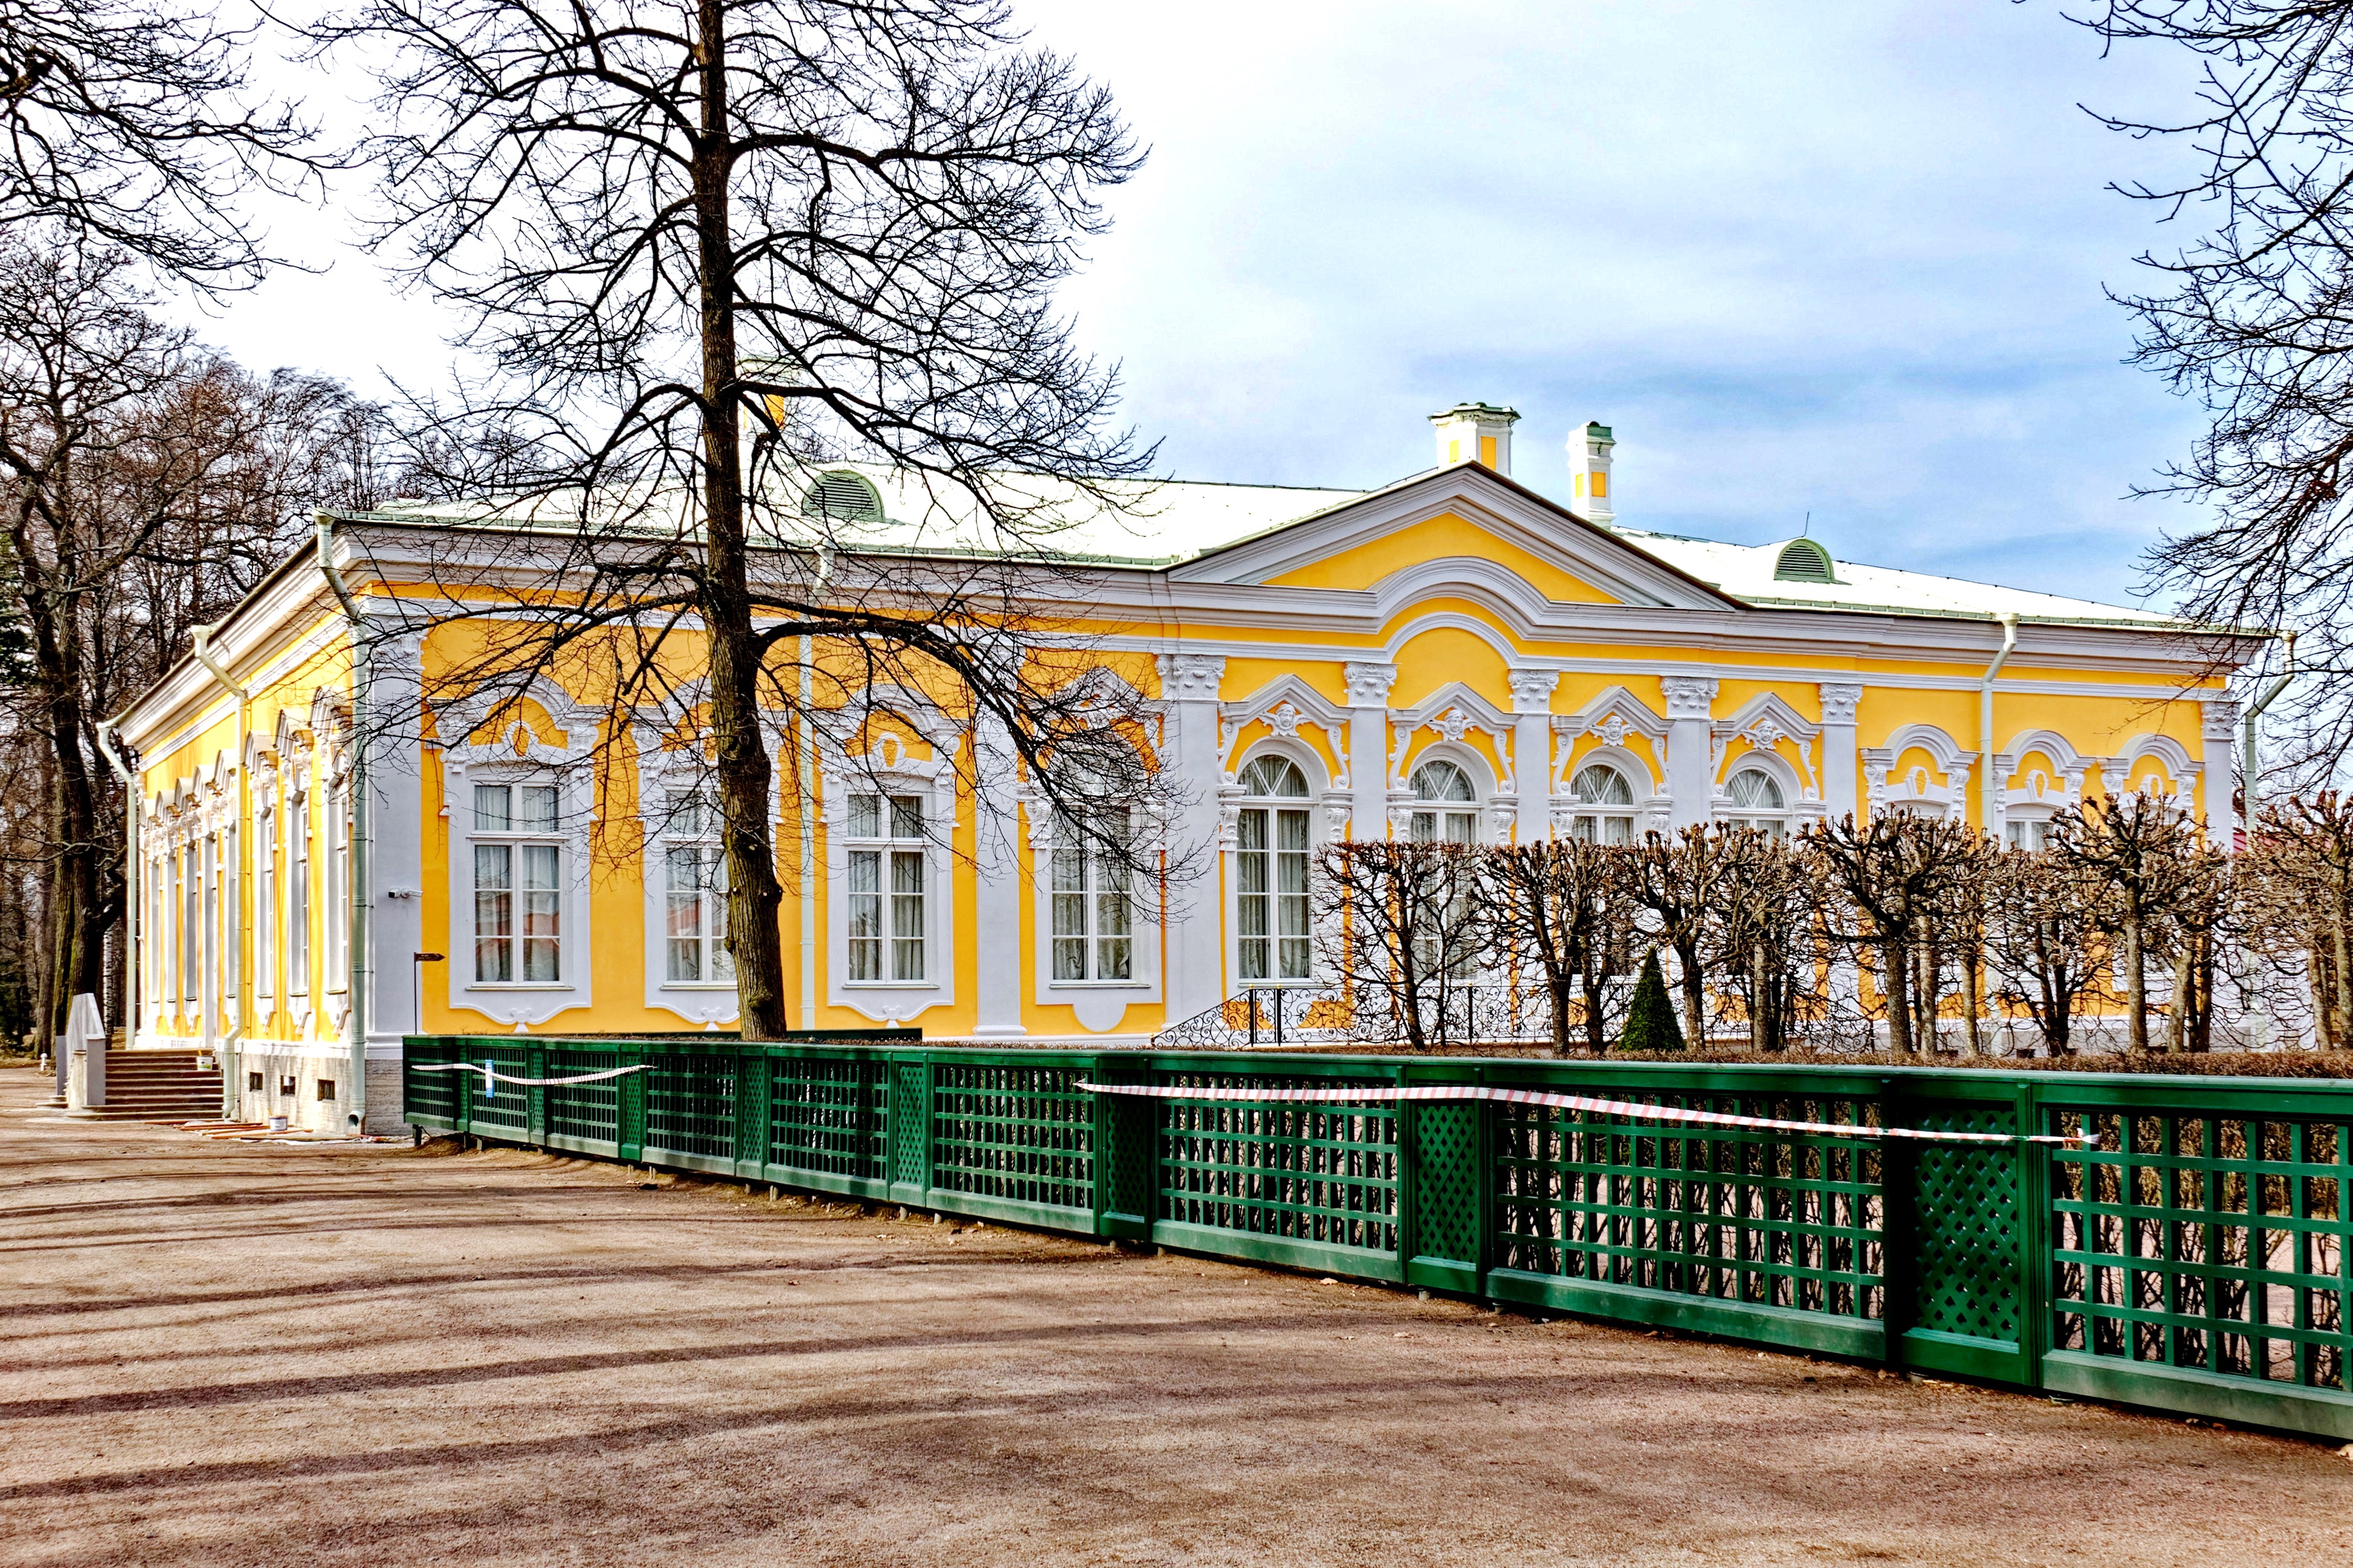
point(1475, 433)
point(1588, 460)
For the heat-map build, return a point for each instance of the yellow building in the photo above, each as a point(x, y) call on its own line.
point(1318, 663)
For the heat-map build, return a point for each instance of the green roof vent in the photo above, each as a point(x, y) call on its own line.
point(844, 494)
point(1804, 561)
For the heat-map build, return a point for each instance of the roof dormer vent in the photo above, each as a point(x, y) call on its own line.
point(842, 494)
point(1804, 561)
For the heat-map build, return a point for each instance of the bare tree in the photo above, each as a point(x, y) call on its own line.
point(1754, 929)
point(2144, 851)
point(1892, 881)
point(153, 485)
point(1674, 882)
point(708, 245)
point(2297, 883)
point(1560, 907)
point(2042, 939)
point(130, 125)
point(1401, 926)
point(2252, 318)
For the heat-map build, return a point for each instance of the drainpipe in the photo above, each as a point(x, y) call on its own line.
point(201, 639)
point(2252, 773)
point(356, 883)
point(1984, 722)
point(130, 894)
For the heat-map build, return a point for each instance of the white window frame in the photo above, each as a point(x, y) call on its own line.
point(1590, 820)
point(1446, 815)
point(705, 1003)
point(335, 895)
point(1779, 819)
point(299, 950)
point(1310, 807)
point(889, 771)
point(528, 1003)
point(265, 898)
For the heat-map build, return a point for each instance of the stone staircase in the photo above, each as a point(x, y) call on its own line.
point(158, 1086)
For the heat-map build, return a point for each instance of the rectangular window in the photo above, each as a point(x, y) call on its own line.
point(886, 891)
point(1093, 936)
point(694, 893)
point(1270, 894)
point(326, 1088)
point(338, 906)
point(298, 896)
point(233, 969)
point(518, 886)
point(265, 962)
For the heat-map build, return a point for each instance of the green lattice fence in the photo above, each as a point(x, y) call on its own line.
point(2193, 1257)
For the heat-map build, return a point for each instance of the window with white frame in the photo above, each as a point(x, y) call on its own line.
point(233, 915)
point(265, 920)
point(888, 860)
point(298, 894)
point(694, 893)
point(1605, 803)
point(158, 946)
point(1757, 801)
point(216, 949)
point(2027, 832)
point(1095, 935)
point(518, 864)
point(192, 929)
point(1451, 814)
point(339, 872)
point(1272, 837)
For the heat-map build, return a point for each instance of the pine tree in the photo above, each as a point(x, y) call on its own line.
point(1651, 1023)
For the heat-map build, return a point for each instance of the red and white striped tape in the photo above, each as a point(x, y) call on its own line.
point(491, 1076)
point(1572, 1102)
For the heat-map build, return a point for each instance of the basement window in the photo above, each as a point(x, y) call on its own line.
point(326, 1088)
point(286, 1087)
point(253, 1083)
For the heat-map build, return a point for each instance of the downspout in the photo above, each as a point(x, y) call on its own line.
point(1985, 721)
point(2252, 774)
point(130, 893)
point(1980, 1025)
point(200, 640)
point(356, 882)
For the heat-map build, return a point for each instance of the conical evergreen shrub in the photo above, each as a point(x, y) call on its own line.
point(1651, 1023)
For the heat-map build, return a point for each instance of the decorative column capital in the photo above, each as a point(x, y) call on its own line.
point(1532, 690)
point(1688, 696)
point(2221, 719)
point(1840, 699)
point(1369, 684)
point(1191, 677)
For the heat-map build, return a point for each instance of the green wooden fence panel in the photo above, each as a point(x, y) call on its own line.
point(2196, 1257)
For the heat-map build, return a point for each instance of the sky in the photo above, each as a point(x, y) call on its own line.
point(1832, 266)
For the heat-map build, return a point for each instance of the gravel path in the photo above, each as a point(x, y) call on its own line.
point(230, 1353)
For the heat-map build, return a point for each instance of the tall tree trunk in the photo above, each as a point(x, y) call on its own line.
point(1896, 975)
point(1695, 997)
point(745, 776)
point(2135, 987)
point(1973, 1000)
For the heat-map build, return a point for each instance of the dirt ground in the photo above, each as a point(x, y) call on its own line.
point(226, 1353)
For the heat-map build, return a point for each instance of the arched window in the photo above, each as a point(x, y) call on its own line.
point(1605, 806)
point(1271, 872)
point(1757, 801)
point(1451, 814)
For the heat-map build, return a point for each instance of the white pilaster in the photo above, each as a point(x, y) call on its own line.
point(1840, 791)
point(395, 860)
point(1532, 692)
point(1368, 746)
point(1195, 931)
point(997, 883)
point(1691, 745)
point(2220, 732)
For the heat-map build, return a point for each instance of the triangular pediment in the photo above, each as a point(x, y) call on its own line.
point(1464, 521)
